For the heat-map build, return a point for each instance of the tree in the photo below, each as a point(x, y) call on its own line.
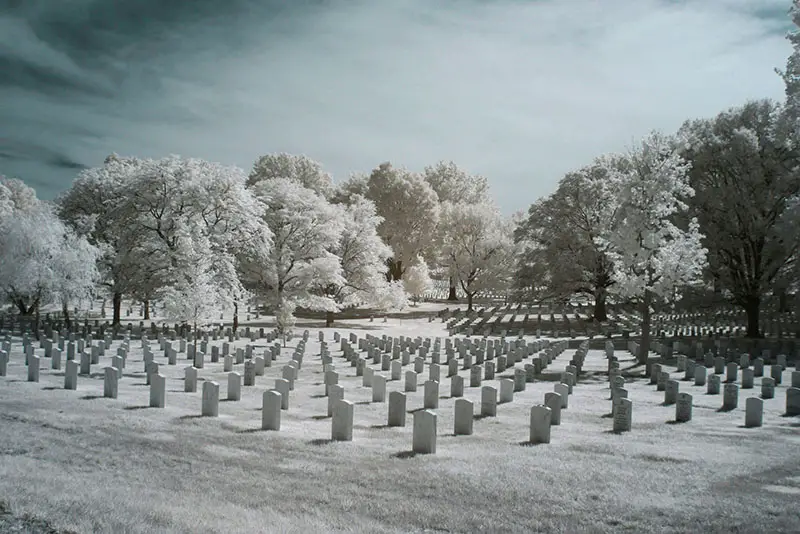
point(41, 260)
point(351, 189)
point(558, 239)
point(305, 228)
point(96, 207)
point(453, 184)
point(652, 256)
point(299, 168)
point(410, 212)
point(791, 76)
point(479, 245)
point(745, 165)
point(362, 257)
point(195, 297)
point(417, 280)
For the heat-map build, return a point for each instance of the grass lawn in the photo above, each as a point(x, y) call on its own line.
point(75, 461)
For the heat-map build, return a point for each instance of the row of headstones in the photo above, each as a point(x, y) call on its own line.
point(683, 401)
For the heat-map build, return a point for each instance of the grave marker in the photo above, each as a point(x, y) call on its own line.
point(540, 422)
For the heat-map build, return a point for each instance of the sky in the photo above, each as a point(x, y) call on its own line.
point(520, 91)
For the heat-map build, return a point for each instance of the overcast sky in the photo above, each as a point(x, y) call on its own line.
point(519, 91)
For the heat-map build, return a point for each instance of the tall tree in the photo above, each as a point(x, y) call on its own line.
point(558, 239)
point(746, 175)
point(480, 247)
point(454, 185)
point(652, 256)
point(299, 168)
point(410, 211)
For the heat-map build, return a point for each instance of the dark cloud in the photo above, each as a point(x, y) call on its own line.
point(519, 91)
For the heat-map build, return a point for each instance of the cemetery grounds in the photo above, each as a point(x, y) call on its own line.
point(74, 461)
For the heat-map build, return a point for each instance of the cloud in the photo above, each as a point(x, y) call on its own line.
point(520, 91)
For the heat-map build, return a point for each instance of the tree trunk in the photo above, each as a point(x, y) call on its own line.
point(470, 296)
point(752, 308)
point(328, 319)
point(146, 306)
point(65, 311)
point(783, 301)
point(644, 346)
point(600, 313)
point(235, 316)
point(195, 341)
point(117, 309)
point(395, 271)
point(36, 323)
point(452, 294)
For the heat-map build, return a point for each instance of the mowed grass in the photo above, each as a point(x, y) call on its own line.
point(84, 463)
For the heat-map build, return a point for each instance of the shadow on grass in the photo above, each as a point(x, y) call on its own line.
point(251, 430)
point(363, 403)
point(320, 396)
point(145, 385)
point(481, 416)
point(530, 444)
point(50, 388)
point(191, 417)
point(182, 391)
point(320, 442)
point(320, 417)
point(676, 422)
point(787, 414)
point(726, 409)
point(229, 400)
point(607, 416)
point(143, 407)
point(403, 455)
point(381, 427)
point(91, 397)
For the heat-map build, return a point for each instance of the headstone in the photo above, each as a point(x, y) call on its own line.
point(55, 361)
point(747, 378)
point(33, 368)
point(671, 392)
point(795, 379)
point(488, 401)
point(457, 386)
point(563, 390)
point(424, 436)
point(540, 424)
point(378, 388)
point(793, 401)
point(158, 390)
point(431, 396)
point(411, 381)
point(713, 385)
point(110, 382)
point(683, 408)
point(767, 388)
point(730, 397)
point(210, 399)
point(506, 390)
point(234, 386)
point(71, 375)
point(776, 372)
point(753, 412)
point(463, 417)
point(342, 421)
point(397, 408)
point(189, 380)
point(553, 401)
point(623, 415)
point(732, 372)
point(335, 394)
point(700, 376)
point(282, 386)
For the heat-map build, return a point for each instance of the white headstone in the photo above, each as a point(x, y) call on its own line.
point(464, 411)
point(397, 408)
point(158, 386)
point(424, 436)
point(431, 395)
point(234, 386)
point(210, 399)
point(540, 424)
point(378, 388)
point(623, 415)
point(33, 368)
point(335, 394)
point(271, 410)
point(793, 401)
point(683, 408)
point(110, 382)
point(553, 401)
point(753, 412)
point(71, 375)
point(342, 421)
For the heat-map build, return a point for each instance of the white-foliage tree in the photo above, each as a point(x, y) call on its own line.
point(195, 296)
point(652, 256)
point(362, 256)
point(41, 260)
point(417, 280)
point(305, 229)
point(791, 75)
point(454, 185)
point(410, 211)
point(745, 165)
point(480, 247)
point(299, 168)
point(177, 205)
point(285, 319)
